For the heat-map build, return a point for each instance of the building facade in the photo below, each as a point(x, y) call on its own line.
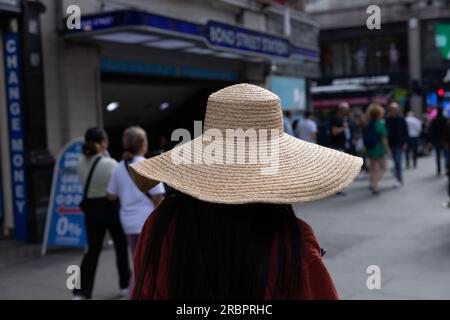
point(148, 63)
point(400, 61)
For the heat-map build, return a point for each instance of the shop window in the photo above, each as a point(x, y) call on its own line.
point(364, 55)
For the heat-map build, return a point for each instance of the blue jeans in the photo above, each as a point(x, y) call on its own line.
point(397, 157)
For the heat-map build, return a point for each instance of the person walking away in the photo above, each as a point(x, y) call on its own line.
point(376, 142)
point(414, 133)
point(360, 149)
point(398, 139)
point(135, 206)
point(341, 125)
point(101, 214)
point(340, 131)
point(287, 123)
point(447, 147)
point(307, 128)
point(228, 233)
point(437, 133)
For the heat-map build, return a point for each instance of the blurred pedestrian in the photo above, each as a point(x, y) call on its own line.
point(342, 129)
point(287, 123)
point(437, 134)
point(398, 139)
point(228, 229)
point(135, 206)
point(307, 128)
point(324, 131)
point(414, 133)
point(100, 214)
point(360, 149)
point(447, 148)
point(341, 132)
point(425, 143)
point(376, 142)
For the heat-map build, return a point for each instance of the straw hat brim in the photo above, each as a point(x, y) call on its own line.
point(306, 172)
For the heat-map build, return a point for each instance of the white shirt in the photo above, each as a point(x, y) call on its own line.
point(306, 128)
point(135, 206)
point(414, 126)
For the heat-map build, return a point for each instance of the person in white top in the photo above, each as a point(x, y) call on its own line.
point(414, 132)
point(307, 129)
point(135, 205)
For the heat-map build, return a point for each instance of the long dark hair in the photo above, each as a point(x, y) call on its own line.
point(222, 251)
point(92, 140)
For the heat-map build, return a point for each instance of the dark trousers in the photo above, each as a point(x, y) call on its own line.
point(397, 157)
point(440, 151)
point(103, 215)
point(413, 146)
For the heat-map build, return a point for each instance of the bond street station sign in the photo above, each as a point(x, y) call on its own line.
point(213, 34)
point(10, 5)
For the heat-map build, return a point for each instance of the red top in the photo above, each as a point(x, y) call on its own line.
point(316, 281)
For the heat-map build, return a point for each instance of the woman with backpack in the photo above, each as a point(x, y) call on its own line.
point(376, 143)
point(100, 214)
point(229, 231)
point(135, 206)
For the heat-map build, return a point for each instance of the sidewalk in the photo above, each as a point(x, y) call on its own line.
point(25, 274)
point(405, 231)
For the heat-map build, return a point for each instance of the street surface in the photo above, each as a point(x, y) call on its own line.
point(404, 231)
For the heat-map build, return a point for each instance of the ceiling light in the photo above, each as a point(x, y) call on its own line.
point(198, 50)
point(228, 55)
point(170, 44)
point(126, 37)
point(112, 106)
point(164, 106)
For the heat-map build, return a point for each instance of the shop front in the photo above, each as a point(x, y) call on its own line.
point(158, 72)
point(25, 161)
point(360, 66)
point(359, 92)
point(436, 64)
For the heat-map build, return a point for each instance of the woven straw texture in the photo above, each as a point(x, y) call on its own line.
point(304, 171)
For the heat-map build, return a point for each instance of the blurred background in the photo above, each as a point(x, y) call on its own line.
point(154, 63)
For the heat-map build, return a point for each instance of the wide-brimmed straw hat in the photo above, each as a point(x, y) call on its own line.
point(294, 171)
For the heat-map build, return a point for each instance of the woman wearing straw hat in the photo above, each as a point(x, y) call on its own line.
point(229, 232)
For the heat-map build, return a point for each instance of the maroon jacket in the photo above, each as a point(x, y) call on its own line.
point(316, 281)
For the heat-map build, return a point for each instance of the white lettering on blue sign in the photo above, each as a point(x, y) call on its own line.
point(230, 37)
point(16, 135)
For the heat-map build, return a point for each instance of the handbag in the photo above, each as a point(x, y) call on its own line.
point(84, 202)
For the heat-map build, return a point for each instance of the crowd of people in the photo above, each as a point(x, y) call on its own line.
point(378, 134)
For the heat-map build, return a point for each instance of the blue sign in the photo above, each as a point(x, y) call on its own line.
point(133, 67)
point(16, 133)
point(224, 35)
point(65, 220)
point(292, 91)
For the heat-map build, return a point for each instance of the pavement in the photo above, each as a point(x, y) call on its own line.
point(403, 231)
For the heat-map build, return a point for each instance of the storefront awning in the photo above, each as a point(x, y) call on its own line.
point(214, 38)
point(10, 5)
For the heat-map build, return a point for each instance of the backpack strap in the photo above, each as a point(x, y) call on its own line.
point(91, 172)
point(127, 166)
